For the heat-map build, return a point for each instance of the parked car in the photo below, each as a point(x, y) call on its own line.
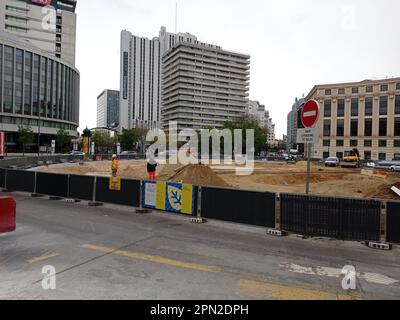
point(332, 162)
point(395, 168)
point(128, 153)
point(371, 164)
point(76, 153)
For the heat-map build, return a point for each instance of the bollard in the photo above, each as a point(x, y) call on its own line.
point(198, 218)
point(93, 203)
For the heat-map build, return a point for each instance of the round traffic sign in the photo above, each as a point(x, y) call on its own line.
point(309, 113)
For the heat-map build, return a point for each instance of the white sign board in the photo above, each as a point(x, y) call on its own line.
point(308, 135)
point(150, 194)
point(53, 146)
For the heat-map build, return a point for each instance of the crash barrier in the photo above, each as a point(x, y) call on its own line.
point(170, 196)
point(248, 207)
point(29, 161)
point(347, 219)
point(393, 222)
point(7, 214)
point(341, 218)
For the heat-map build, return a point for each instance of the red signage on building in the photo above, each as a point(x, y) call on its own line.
point(2, 144)
point(42, 2)
point(310, 113)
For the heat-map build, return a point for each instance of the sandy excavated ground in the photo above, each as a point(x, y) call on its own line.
point(275, 177)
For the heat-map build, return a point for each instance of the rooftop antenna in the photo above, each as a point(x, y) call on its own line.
point(176, 17)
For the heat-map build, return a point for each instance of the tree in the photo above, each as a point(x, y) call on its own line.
point(62, 139)
point(25, 136)
point(128, 138)
point(103, 141)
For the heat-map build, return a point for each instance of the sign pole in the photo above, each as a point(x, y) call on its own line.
point(308, 168)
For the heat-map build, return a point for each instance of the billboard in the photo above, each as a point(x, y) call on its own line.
point(170, 196)
point(42, 2)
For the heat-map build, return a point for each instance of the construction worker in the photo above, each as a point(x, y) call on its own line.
point(114, 165)
point(151, 169)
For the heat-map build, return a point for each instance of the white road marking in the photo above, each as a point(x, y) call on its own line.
point(336, 273)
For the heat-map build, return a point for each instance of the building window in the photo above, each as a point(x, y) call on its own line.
point(327, 143)
point(327, 108)
point(328, 92)
point(340, 108)
point(382, 143)
point(397, 105)
point(398, 86)
point(354, 128)
point(368, 128)
point(353, 143)
point(327, 128)
point(341, 91)
point(339, 155)
point(354, 90)
point(339, 143)
point(8, 79)
point(354, 107)
point(396, 143)
point(383, 104)
point(325, 155)
point(369, 89)
point(340, 128)
point(367, 143)
point(383, 127)
point(368, 106)
point(367, 155)
point(382, 156)
point(384, 87)
point(397, 127)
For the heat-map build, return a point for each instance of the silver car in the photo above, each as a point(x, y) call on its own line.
point(395, 168)
point(332, 162)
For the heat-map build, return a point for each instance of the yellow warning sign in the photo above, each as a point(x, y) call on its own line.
point(115, 183)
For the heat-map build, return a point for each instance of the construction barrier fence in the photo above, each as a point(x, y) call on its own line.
point(393, 222)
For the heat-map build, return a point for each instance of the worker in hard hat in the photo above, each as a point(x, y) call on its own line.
point(151, 168)
point(114, 165)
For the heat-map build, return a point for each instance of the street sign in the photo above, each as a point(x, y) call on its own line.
point(310, 113)
point(307, 135)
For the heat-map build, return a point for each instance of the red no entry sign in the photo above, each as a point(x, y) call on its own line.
point(309, 114)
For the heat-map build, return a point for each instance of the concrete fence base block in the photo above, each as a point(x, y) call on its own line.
point(95, 204)
point(72, 200)
point(379, 245)
point(198, 220)
point(7, 190)
point(276, 232)
point(142, 211)
point(36, 195)
point(301, 236)
point(52, 198)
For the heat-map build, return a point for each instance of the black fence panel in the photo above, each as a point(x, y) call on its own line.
point(361, 219)
point(2, 177)
point(348, 219)
point(21, 180)
point(248, 207)
point(129, 194)
point(81, 187)
point(393, 222)
point(52, 184)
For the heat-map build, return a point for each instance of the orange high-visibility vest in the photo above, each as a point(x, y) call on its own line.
point(115, 165)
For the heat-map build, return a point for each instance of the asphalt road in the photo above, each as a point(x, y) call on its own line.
point(110, 252)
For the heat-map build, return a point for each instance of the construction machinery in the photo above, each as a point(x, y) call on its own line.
point(351, 159)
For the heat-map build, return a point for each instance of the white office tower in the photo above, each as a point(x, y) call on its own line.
point(141, 69)
point(49, 25)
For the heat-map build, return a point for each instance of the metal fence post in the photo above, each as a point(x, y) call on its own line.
point(198, 213)
point(383, 221)
point(141, 194)
point(277, 211)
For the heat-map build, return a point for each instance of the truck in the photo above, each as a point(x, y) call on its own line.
point(351, 159)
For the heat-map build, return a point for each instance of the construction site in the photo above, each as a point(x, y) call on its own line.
point(267, 176)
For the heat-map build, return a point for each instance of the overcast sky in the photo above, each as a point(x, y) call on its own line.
point(293, 44)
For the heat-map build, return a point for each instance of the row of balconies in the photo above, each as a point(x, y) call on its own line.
point(216, 90)
point(202, 96)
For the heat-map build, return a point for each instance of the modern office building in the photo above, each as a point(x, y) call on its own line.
point(108, 109)
point(36, 90)
point(141, 69)
point(203, 87)
point(52, 31)
point(292, 121)
point(363, 115)
point(258, 112)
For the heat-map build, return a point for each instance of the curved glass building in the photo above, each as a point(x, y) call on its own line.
point(36, 90)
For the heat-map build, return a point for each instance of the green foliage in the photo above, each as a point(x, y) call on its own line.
point(25, 136)
point(132, 137)
point(103, 140)
point(62, 138)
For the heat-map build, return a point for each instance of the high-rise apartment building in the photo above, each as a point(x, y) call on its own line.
point(51, 31)
point(203, 87)
point(141, 69)
point(108, 109)
point(363, 115)
point(292, 121)
point(257, 112)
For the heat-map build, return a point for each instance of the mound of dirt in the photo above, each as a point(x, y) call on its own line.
point(384, 191)
point(198, 174)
